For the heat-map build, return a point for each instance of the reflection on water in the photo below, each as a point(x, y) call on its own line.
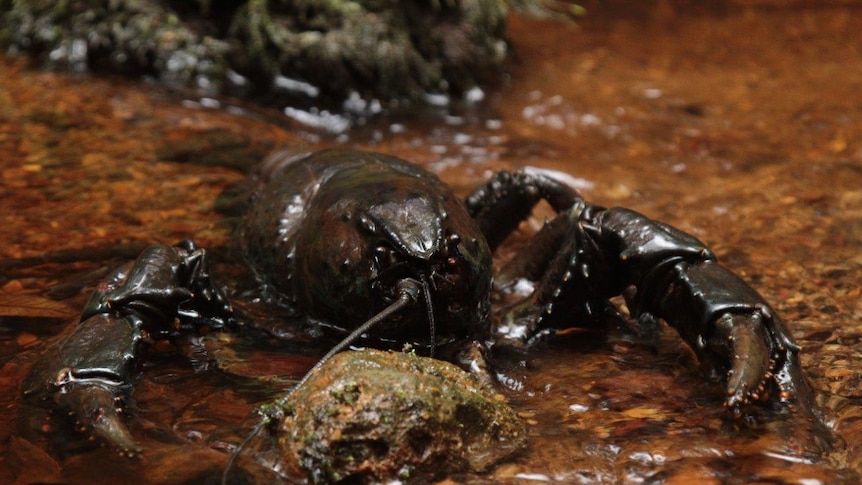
point(740, 129)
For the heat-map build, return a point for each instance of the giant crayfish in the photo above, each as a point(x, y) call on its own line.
point(370, 244)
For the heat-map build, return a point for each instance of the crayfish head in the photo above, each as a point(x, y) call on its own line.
point(381, 232)
point(456, 282)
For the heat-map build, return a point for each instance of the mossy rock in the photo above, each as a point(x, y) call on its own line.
point(371, 416)
point(270, 49)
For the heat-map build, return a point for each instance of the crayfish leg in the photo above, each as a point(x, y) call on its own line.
point(87, 371)
point(725, 321)
point(589, 254)
point(508, 198)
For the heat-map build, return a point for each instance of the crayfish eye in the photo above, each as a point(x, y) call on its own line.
point(453, 269)
point(389, 267)
point(385, 256)
point(448, 276)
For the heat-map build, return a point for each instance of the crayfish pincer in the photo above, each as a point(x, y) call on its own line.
point(90, 368)
point(373, 248)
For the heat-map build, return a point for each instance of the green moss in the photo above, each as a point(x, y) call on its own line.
point(377, 48)
point(136, 36)
point(275, 410)
point(348, 394)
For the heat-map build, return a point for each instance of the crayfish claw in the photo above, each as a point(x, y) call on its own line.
point(95, 406)
point(751, 368)
point(763, 362)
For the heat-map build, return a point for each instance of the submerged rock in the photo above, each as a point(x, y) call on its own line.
point(372, 416)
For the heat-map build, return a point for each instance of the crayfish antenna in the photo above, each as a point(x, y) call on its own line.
point(432, 344)
point(233, 456)
point(408, 295)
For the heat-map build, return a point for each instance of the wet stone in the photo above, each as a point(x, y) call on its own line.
point(371, 416)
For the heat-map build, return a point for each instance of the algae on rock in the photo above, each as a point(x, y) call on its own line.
point(371, 416)
point(377, 48)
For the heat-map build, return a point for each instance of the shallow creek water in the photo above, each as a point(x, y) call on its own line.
point(744, 129)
